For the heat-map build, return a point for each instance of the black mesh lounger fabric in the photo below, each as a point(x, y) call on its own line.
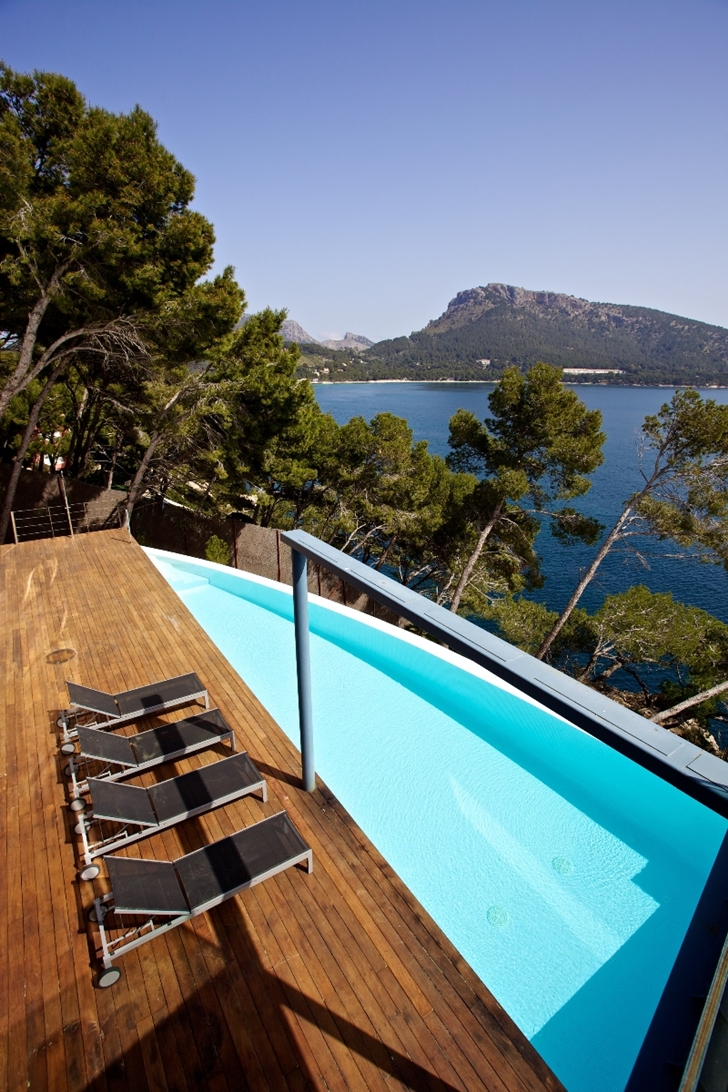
point(155, 695)
point(106, 746)
point(224, 867)
point(145, 886)
point(201, 788)
point(171, 739)
point(94, 700)
point(125, 803)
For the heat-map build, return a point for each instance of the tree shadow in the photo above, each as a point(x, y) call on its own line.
point(242, 1025)
point(194, 1047)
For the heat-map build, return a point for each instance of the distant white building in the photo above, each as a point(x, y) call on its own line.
point(593, 371)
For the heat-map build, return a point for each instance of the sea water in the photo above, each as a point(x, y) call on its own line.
point(429, 406)
point(565, 874)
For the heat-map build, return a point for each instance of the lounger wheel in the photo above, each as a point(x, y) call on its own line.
point(90, 872)
point(68, 770)
point(93, 916)
point(77, 805)
point(68, 749)
point(61, 722)
point(109, 977)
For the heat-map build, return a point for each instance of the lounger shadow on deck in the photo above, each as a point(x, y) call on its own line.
point(168, 893)
point(109, 710)
point(122, 814)
point(125, 756)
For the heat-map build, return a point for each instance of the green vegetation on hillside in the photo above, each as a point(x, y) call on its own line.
point(507, 327)
point(354, 367)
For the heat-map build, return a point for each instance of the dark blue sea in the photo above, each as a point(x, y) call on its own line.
point(429, 406)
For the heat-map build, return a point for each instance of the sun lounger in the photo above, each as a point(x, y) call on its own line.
point(109, 710)
point(125, 756)
point(168, 893)
point(122, 814)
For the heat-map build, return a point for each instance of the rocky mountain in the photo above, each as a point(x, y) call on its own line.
point(293, 332)
point(349, 342)
point(356, 342)
point(485, 329)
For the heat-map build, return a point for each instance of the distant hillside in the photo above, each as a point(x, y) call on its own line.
point(349, 341)
point(485, 329)
point(348, 344)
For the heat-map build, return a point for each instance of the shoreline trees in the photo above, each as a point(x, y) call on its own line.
point(538, 447)
point(684, 464)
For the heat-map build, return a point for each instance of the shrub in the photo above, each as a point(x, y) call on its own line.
point(216, 549)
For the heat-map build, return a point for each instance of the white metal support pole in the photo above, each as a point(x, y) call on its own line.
point(303, 667)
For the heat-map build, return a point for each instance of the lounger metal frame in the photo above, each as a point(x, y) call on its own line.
point(107, 721)
point(148, 930)
point(77, 762)
point(123, 838)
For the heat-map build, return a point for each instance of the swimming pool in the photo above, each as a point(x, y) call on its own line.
point(564, 873)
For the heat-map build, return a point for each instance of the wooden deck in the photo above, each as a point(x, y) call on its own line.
point(338, 980)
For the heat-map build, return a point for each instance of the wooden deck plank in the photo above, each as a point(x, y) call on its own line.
point(337, 980)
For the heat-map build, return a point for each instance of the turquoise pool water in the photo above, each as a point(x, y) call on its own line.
point(564, 873)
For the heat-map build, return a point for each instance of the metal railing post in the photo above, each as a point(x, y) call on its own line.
point(15, 529)
point(62, 486)
point(303, 667)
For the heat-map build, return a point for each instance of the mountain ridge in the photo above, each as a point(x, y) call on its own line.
point(357, 342)
point(293, 331)
point(487, 328)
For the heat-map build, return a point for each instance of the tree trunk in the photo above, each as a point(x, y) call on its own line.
point(584, 583)
point(24, 370)
point(90, 431)
point(114, 457)
point(386, 553)
point(593, 661)
point(137, 480)
point(78, 434)
point(473, 559)
point(16, 382)
point(697, 699)
point(20, 455)
point(608, 672)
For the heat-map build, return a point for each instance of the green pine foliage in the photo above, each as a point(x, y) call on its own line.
point(217, 550)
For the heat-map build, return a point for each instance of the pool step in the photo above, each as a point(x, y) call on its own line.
point(181, 580)
point(194, 583)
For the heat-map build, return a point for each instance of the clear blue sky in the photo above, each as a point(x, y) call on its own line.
point(364, 161)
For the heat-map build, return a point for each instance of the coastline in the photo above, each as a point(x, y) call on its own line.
point(492, 382)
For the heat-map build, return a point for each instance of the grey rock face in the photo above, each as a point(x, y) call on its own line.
point(349, 341)
point(293, 332)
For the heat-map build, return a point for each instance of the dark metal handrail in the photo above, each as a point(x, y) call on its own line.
point(696, 772)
